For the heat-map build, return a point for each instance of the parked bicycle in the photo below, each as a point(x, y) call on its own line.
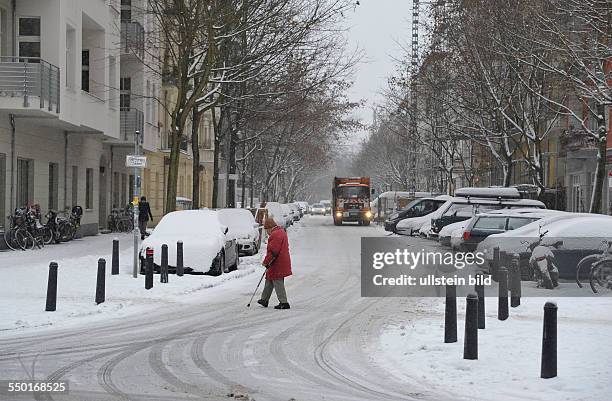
point(121, 220)
point(40, 234)
point(16, 234)
point(600, 268)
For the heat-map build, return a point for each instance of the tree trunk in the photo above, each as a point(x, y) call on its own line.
point(196, 116)
point(216, 130)
point(175, 152)
point(600, 176)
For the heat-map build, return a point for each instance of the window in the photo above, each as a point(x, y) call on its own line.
point(125, 86)
point(75, 185)
point(148, 111)
point(53, 186)
point(2, 188)
point(89, 188)
point(28, 38)
point(491, 223)
point(577, 201)
point(153, 104)
point(85, 70)
point(516, 222)
point(70, 56)
point(25, 182)
point(126, 10)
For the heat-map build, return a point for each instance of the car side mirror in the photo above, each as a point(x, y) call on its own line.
point(226, 230)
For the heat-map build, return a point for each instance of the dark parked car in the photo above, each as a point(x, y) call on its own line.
point(487, 224)
point(416, 208)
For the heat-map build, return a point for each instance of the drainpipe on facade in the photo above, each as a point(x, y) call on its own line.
point(13, 27)
point(65, 170)
point(12, 123)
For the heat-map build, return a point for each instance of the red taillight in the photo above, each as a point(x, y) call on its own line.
point(466, 235)
point(149, 252)
point(540, 258)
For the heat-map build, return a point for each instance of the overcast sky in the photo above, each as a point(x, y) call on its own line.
point(376, 27)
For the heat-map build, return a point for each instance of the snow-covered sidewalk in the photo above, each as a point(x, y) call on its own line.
point(508, 367)
point(24, 284)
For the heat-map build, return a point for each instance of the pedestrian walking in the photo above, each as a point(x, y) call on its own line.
point(144, 215)
point(278, 265)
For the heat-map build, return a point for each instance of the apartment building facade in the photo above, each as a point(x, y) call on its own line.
point(57, 68)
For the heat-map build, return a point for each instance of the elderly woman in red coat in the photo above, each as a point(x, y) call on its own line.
point(278, 265)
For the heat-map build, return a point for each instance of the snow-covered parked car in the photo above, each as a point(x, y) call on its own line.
point(277, 212)
point(417, 208)
point(412, 225)
point(582, 234)
point(464, 208)
point(498, 221)
point(449, 232)
point(243, 226)
point(208, 247)
point(288, 212)
point(295, 211)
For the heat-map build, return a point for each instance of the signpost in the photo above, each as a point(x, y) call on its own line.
point(137, 162)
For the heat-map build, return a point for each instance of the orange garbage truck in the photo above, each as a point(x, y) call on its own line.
point(351, 200)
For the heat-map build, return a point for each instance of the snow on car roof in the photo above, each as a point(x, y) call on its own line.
point(488, 192)
point(184, 223)
point(526, 212)
point(233, 217)
point(566, 224)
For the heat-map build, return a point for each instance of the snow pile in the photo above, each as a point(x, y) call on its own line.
point(508, 367)
point(23, 290)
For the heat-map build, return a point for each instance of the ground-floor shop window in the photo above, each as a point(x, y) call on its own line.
point(25, 182)
point(89, 188)
point(53, 185)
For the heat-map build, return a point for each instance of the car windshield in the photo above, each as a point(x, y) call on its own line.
point(318, 206)
point(353, 192)
point(459, 210)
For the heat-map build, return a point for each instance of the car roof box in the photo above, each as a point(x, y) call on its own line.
point(495, 193)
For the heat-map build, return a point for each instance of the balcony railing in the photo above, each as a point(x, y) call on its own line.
point(131, 120)
point(132, 38)
point(30, 78)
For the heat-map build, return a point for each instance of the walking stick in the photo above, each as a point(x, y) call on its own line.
point(256, 288)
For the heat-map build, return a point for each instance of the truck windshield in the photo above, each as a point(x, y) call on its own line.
point(353, 192)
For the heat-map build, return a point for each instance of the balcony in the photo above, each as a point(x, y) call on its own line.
point(29, 83)
point(131, 120)
point(132, 38)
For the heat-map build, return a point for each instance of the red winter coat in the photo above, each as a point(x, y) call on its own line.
point(278, 244)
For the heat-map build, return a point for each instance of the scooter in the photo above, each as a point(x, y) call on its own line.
point(542, 262)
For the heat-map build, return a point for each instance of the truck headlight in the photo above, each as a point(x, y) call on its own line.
point(368, 214)
point(338, 214)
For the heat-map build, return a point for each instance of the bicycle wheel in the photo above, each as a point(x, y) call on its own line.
point(584, 263)
point(24, 239)
point(601, 274)
point(46, 235)
point(10, 240)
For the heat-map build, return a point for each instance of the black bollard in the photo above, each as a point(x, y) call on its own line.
point(515, 281)
point(470, 341)
point(163, 272)
point(101, 281)
point(149, 269)
point(450, 315)
point(502, 304)
point(52, 288)
point(495, 264)
point(115, 258)
point(480, 292)
point(549, 342)
point(179, 258)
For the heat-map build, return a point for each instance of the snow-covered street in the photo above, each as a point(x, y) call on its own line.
point(194, 338)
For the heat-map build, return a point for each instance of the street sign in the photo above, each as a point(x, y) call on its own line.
point(135, 161)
